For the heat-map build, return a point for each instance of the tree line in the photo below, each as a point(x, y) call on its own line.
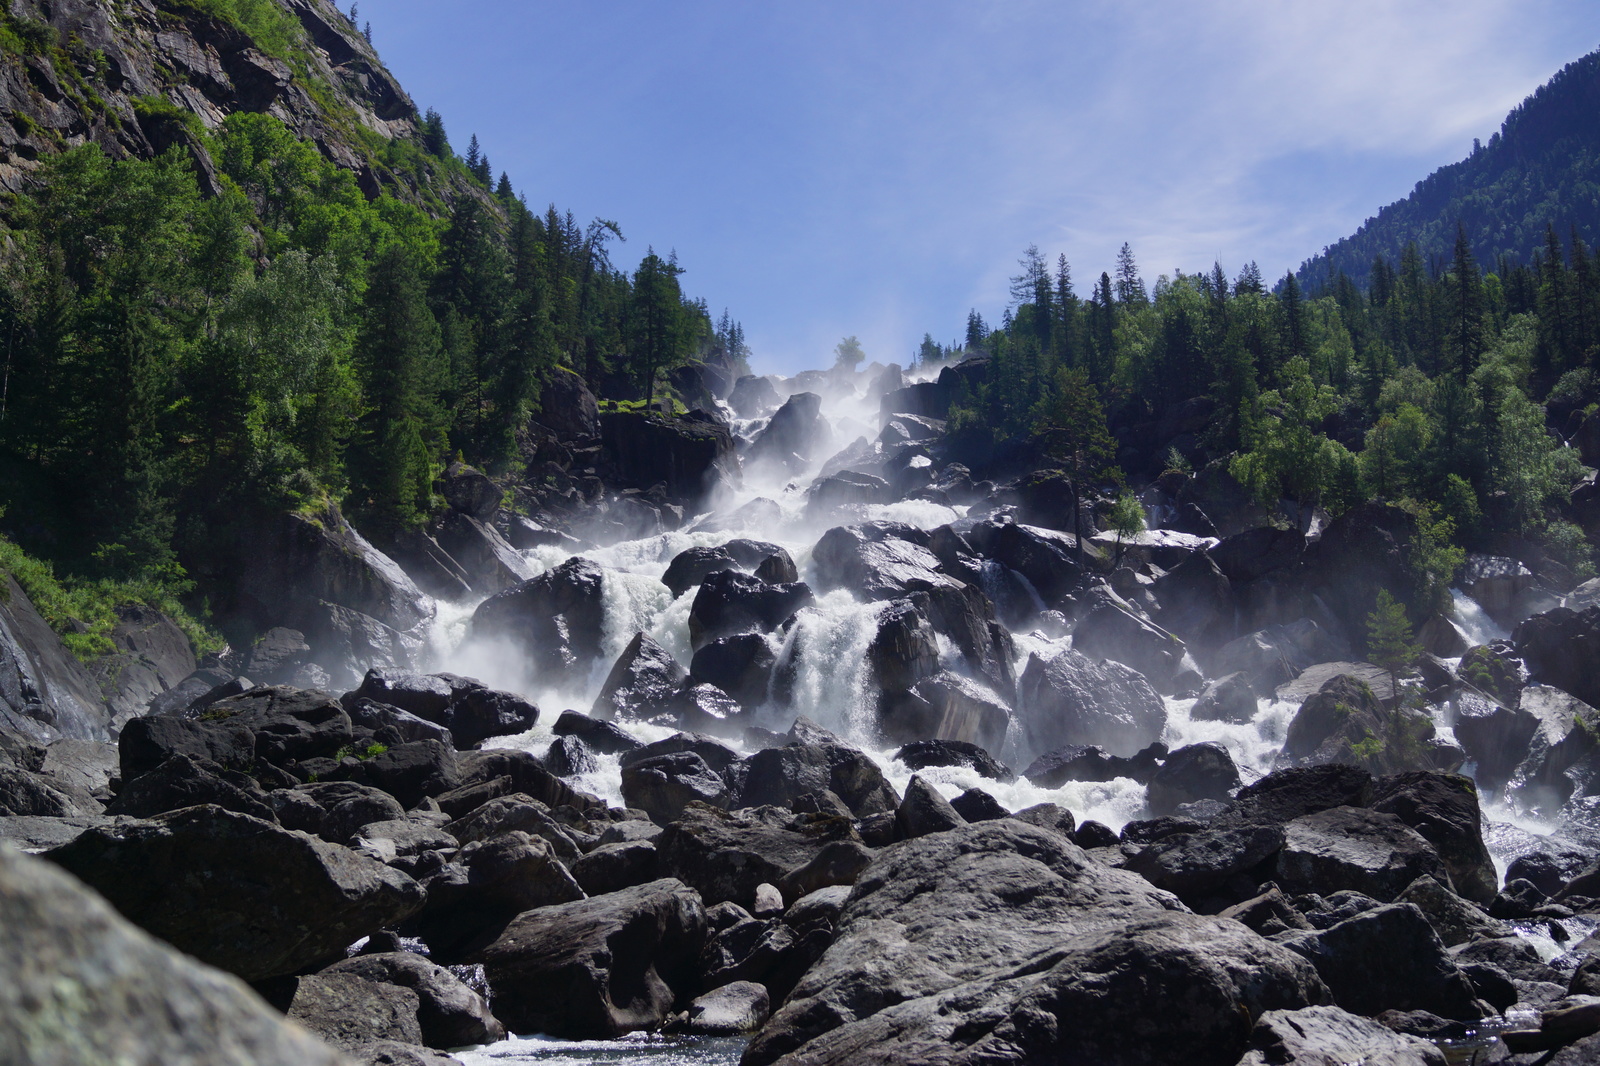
point(1440, 388)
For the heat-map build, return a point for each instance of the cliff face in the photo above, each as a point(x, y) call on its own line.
point(122, 73)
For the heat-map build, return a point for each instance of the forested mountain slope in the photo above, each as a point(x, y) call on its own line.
point(1541, 171)
point(243, 277)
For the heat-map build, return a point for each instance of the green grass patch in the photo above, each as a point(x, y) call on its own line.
point(83, 613)
point(274, 30)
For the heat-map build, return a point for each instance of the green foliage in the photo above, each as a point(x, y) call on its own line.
point(83, 613)
point(371, 751)
point(1287, 455)
point(848, 354)
point(1566, 543)
point(268, 23)
point(1390, 641)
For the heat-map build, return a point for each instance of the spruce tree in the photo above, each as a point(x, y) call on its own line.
point(399, 433)
point(1466, 307)
point(1390, 642)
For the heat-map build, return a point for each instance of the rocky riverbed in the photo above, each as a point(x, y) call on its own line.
point(787, 732)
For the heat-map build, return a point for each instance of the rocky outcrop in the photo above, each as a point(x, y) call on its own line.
point(202, 63)
point(600, 967)
point(45, 693)
point(237, 892)
point(555, 619)
point(936, 961)
point(689, 455)
point(79, 983)
point(292, 568)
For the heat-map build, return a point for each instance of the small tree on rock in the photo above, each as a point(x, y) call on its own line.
point(1390, 641)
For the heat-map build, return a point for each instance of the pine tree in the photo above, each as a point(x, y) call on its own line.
point(1467, 328)
point(398, 435)
point(1390, 642)
point(1103, 335)
point(1295, 328)
point(1249, 280)
point(977, 331)
point(1130, 286)
point(434, 140)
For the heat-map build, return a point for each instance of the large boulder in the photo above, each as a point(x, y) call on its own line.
point(1072, 699)
point(152, 655)
point(449, 1013)
point(878, 561)
point(905, 650)
point(688, 454)
point(691, 566)
point(1203, 771)
point(566, 406)
point(921, 754)
point(1495, 582)
point(291, 564)
point(967, 946)
point(1443, 808)
point(1278, 654)
point(80, 984)
point(1562, 648)
point(599, 967)
point(740, 665)
point(731, 602)
point(489, 883)
point(753, 396)
point(779, 776)
point(1316, 1036)
point(1388, 958)
point(556, 619)
point(1354, 849)
point(1362, 552)
point(1048, 559)
point(946, 707)
point(237, 892)
point(1112, 629)
point(726, 856)
point(490, 562)
point(353, 1013)
point(45, 692)
point(1560, 758)
point(642, 680)
point(794, 435)
point(663, 785)
point(466, 710)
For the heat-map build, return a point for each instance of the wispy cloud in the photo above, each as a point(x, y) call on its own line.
point(828, 167)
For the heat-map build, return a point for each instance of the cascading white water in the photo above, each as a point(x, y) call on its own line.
point(1474, 620)
point(829, 679)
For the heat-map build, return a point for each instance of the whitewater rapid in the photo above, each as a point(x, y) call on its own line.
point(832, 683)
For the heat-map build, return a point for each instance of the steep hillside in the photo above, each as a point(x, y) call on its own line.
point(1542, 169)
point(126, 74)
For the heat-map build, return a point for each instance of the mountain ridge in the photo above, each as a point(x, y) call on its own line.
point(1540, 170)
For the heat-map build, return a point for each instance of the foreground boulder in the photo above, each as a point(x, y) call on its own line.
point(237, 892)
point(600, 967)
point(79, 984)
point(1317, 1035)
point(449, 1013)
point(1000, 941)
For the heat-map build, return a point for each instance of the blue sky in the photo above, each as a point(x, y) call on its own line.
point(875, 167)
